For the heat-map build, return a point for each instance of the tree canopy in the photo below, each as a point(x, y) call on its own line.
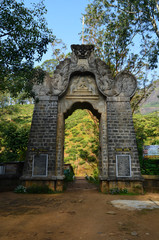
point(126, 36)
point(58, 54)
point(24, 37)
point(125, 32)
point(144, 18)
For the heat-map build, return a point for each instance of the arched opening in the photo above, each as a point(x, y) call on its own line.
point(81, 145)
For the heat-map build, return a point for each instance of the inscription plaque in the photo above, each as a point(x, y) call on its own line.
point(123, 165)
point(40, 165)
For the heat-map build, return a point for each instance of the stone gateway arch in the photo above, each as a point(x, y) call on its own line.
point(84, 82)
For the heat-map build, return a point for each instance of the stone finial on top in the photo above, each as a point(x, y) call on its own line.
point(82, 51)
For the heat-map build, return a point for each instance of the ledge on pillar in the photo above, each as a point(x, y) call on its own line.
point(55, 183)
point(50, 183)
point(134, 186)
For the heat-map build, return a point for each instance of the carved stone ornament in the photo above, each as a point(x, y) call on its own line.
point(125, 84)
point(105, 81)
point(84, 84)
point(54, 85)
point(43, 89)
point(83, 60)
point(82, 51)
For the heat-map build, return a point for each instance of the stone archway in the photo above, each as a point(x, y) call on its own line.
point(82, 93)
point(84, 81)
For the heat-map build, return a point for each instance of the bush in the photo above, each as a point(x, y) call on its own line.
point(69, 175)
point(96, 173)
point(114, 191)
point(39, 189)
point(14, 141)
point(82, 162)
point(20, 189)
point(92, 179)
point(35, 189)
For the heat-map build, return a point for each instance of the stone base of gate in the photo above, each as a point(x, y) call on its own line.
point(55, 185)
point(133, 186)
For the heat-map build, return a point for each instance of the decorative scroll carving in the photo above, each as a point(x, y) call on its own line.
point(125, 84)
point(45, 88)
point(105, 82)
point(61, 77)
point(57, 84)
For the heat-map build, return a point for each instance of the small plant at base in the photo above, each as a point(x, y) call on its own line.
point(92, 179)
point(20, 189)
point(39, 189)
point(118, 191)
point(69, 175)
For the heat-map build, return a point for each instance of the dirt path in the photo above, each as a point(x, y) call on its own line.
point(83, 214)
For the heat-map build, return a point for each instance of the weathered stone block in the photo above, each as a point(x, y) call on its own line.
point(59, 185)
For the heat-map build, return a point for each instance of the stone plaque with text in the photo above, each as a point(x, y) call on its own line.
point(123, 163)
point(40, 165)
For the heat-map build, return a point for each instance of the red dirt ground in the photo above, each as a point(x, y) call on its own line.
point(72, 215)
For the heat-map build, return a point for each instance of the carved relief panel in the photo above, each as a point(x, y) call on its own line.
point(82, 85)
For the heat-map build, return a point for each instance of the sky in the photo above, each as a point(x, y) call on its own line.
point(64, 18)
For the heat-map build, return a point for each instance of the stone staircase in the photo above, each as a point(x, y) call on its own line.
point(80, 183)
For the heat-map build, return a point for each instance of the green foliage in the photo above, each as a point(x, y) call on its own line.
point(81, 162)
point(96, 173)
point(115, 191)
point(126, 36)
point(20, 189)
point(84, 154)
point(144, 21)
point(115, 27)
point(39, 189)
point(147, 133)
point(34, 189)
point(69, 175)
point(94, 180)
point(67, 159)
point(14, 132)
point(81, 141)
point(24, 37)
point(58, 48)
point(150, 167)
point(147, 128)
point(4, 99)
point(14, 142)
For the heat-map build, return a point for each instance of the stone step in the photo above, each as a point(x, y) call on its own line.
point(80, 183)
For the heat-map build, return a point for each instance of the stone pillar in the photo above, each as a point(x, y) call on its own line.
point(41, 156)
point(103, 147)
point(124, 167)
point(60, 149)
